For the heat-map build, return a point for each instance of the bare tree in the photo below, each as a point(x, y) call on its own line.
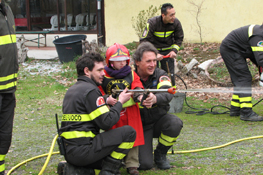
point(196, 13)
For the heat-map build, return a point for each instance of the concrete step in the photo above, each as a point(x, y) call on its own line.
point(42, 53)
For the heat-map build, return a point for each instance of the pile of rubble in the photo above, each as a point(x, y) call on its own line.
point(200, 69)
point(21, 49)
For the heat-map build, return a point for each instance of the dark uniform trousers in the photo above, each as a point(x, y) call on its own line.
point(169, 125)
point(102, 145)
point(240, 77)
point(7, 107)
point(170, 62)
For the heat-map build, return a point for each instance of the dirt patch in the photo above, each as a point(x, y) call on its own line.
point(201, 52)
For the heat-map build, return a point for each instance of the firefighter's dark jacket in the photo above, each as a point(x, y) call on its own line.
point(163, 36)
point(246, 41)
point(159, 80)
point(8, 51)
point(85, 113)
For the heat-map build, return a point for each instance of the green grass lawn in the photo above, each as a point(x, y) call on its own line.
point(39, 98)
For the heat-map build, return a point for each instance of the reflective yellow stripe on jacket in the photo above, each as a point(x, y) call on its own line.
point(163, 34)
point(77, 134)
point(7, 86)
point(85, 117)
point(146, 30)
point(174, 46)
point(7, 78)
point(250, 33)
point(164, 83)
point(6, 39)
point(250, 30)
point(257, 49)
point(82, 118)
point(128, 103)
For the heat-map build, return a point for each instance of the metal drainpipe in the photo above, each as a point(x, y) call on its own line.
point(99, 22)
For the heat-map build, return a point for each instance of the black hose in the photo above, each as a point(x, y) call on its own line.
point(202, 111)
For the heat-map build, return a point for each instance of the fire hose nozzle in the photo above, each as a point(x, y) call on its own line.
point(171, 90)
point(166, 56)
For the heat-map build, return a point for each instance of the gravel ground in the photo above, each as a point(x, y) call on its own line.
point(42, 67)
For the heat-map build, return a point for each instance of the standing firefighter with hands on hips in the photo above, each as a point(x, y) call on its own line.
point(118, 75)
point(8, 79)
point(85, 113)
point(166, 34)
point(157, 122)
point(244, 42)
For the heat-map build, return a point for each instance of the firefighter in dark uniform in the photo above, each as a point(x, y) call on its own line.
point(244, 42)
point(166, 34)
point(8, 79)
point(157, 122)
point(85, 114)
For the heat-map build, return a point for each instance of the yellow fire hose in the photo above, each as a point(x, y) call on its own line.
point(175, 152)
point(43, 155)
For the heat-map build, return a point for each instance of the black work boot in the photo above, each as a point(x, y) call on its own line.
point(252, 116)
point(234, 111)
point(65, 168)
point(110, 166)
point(160, 156)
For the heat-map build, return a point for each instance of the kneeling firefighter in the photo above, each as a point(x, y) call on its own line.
point(85, 113)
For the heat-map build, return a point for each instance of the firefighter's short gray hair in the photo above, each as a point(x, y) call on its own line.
point(143, 47)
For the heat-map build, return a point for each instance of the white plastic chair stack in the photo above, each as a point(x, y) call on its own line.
point(79, 22)
point(94, 21)
point(54, 22)
point(89, 22)
point(69, 22)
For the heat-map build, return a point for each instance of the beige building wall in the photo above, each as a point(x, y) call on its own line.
point(217, 18)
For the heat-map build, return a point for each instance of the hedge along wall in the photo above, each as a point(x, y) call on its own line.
point(217, 18)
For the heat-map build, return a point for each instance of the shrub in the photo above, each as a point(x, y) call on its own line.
point(139, 22)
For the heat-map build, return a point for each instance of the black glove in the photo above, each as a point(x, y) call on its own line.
point(145, 95)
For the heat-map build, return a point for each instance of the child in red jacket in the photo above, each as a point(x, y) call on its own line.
point(118, 74)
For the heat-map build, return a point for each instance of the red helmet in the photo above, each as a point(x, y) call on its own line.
point(117, 52)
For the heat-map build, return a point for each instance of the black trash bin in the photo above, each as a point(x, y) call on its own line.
point(68, 47)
